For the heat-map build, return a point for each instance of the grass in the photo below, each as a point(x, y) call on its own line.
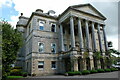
point(9, 77)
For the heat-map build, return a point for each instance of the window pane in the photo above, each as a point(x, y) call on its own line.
point(41, 28)
point(53, 64)
point(53, 46)
point(53, 28)
point(41, 47)
point(41, 64)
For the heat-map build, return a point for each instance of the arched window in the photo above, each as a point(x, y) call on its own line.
point(41, 25)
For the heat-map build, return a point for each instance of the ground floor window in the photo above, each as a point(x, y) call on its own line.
point(53, 64)
point(41, 65)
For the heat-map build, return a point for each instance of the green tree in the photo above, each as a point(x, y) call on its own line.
point(11, 43)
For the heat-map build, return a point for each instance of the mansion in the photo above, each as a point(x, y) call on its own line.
point(67, 42)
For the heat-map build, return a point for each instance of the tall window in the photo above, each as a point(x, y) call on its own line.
point(41, 25)
point(53, 64)
point(53, 46)
point(53, 27)
point(41, 65)
point(41, 47)
point(65, 47)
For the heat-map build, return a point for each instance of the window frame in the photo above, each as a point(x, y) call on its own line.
point(43, 22)
point(55, 48)
point(51, 26)
point(55, 65)
point(42, 65)
point(39, 47)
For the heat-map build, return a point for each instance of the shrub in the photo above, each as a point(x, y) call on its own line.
point(24, 74)
point(84, 72)
point(17, 67)
point(113, 69)
point(107, 70)
point(100, 70)
point(73, 73)
point(16, 72)
point(93, 71)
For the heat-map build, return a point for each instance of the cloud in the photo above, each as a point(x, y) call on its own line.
point(6, 3)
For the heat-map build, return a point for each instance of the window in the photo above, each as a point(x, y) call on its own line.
point(41, 47)
point(41, 65)
point(53, 46)
point(65, 47)
point(53, 64)
point(41, 25)
point(53, 27)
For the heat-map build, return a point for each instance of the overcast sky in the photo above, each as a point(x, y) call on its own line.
point(11, 9)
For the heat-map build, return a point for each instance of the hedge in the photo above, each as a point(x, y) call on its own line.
point(100, 70)
point(73, 73)
point(84, 72)
point(93, 71)
point(107, 70)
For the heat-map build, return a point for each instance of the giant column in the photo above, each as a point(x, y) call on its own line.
point(80, 34)
point(72, 32)
point(61, 37)
point(93, 37)
point(87, 35)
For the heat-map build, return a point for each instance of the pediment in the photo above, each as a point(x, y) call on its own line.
point(88, 9)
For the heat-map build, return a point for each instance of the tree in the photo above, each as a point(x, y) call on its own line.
point(110, 44)
point(11, 43)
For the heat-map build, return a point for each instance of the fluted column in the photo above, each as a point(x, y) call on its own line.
point(99, 36)
point(61, 37)
point(105, 39)
point(80, 34)
point(87, 35)
point(93, 37)
point(72, 32)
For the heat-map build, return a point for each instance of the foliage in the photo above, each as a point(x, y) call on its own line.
point(110, 44)
point(16, 72)
point(107, 70)
point(93, 71)
point(85, 55)
point(11, 43)
point(24, 74)
point(74, 73)
point(100, 70)
point(12, 77)
point(17, 67)
point(113, 69)
point(97, 55)
point(84, 72)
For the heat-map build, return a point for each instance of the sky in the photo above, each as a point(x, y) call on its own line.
point(10, 10)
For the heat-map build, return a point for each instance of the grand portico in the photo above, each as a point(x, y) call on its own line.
point(84, 32)
point(64, 43)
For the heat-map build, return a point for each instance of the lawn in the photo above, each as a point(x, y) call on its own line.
point(9, 77)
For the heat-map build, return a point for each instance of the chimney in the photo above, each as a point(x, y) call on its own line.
point(39, 11)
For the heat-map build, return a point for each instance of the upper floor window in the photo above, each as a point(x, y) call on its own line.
point(41, 25)
point(53, 46)
point(41, 47)
point(53, 27)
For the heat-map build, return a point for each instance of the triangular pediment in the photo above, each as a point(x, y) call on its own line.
point(88, 8)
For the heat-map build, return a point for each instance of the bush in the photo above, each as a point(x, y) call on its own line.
point(17, 67)
point(16, 72)
point(33, 74)
point(107, 70)
point(100, 70)
point(24, 74)
point(84, 72)
point(113, 69)
point(73, 73)
point(93, 71)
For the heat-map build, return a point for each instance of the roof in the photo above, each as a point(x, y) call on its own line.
point(75, 8)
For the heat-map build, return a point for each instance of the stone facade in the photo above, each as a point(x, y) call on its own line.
point(56, 44)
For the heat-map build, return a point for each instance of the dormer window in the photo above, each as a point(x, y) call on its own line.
point(53, 27)
point(41, 25)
